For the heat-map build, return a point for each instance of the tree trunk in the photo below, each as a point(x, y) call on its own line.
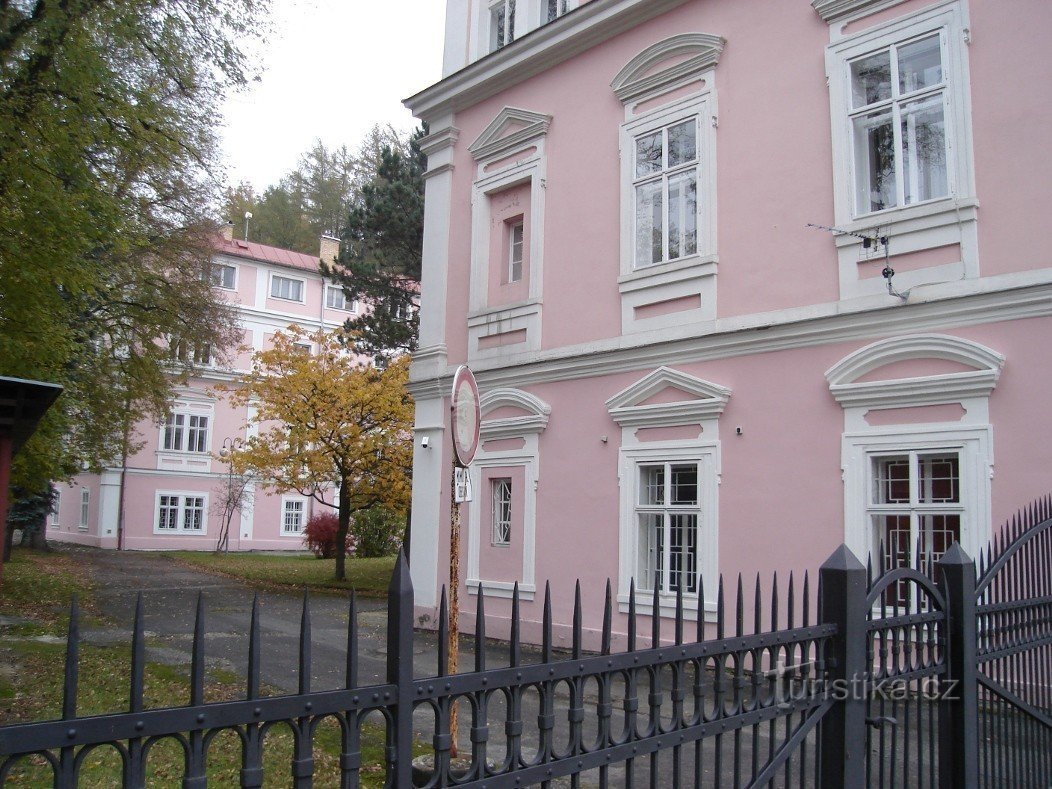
point(341, 532)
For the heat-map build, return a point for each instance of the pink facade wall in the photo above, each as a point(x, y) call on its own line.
point(781, 488)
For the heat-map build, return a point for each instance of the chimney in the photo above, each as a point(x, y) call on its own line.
point(227, 231)
point(330, 248)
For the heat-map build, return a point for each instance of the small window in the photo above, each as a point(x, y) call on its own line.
point(180, 513)
point(667, 516)
point(185, 433)
point(292, 516)
point(193, 513)
point(515, 252)
point(502, 24)
point(336, 299)
point(898, 121)
point(54, 520)
point(168, 513)
point(501, 496)
point(665, 182)
point(85, 503)
point(303, 347)
point(555, 9)
point(224, 276)
point(286, 288)
point(915, 508)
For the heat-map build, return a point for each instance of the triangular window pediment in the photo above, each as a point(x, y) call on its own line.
point(668, 397)
point(511, 129)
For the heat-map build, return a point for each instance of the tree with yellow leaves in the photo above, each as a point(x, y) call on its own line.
point(325, 418)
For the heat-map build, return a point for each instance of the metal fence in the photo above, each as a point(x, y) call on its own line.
point(918, 676)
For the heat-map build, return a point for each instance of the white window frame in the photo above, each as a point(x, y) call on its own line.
point(561, 8)
point(666, 510)
point(186, 429)
point(501, 510)
point(287, 510)
point(918, 226)
point(527, 427)
point(182, 508)
point(54, 518)
point(631, 411)
point(222, 268)
point(516, 245)
point(510, 11)
point(302, 288)
point(332, 292)
point(85, 509)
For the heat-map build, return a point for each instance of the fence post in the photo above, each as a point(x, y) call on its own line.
point(400, 672)
point(959, 688)
point(842, 732)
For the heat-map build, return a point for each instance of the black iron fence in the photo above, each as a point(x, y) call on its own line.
point(918, 676)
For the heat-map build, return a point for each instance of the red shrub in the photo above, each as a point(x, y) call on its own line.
point(320, 535)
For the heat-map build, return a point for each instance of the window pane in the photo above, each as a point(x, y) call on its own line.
point(892, 480)
point(173, 432)
point(685, 484)
point(651, 551)
point(682, 143)
point(649, 154)
point(683, 215)
point(649, 223)
point(871, 79)
point(683, 552)
point(924, 150)
point(651, 485)
point(501, 495)
point(875, 162)
point(168, 514)
point(223, 276)
point(193, 513)
point(940, 478)
point(938, 533)
point(920, 64)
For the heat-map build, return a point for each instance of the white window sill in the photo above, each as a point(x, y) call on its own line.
point(291, 301)
point(921, 216)
point(512, 310)
point(181, 532)
point(666, 273)
point(501, 589)
point(667, 604)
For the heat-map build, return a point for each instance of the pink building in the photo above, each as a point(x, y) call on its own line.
point(679, 376)
point(172, 484)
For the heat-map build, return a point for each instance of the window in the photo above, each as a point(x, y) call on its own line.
point(292, 516)
point(898, 120)
point(180, 512)
point(515, 237)
point(665, 193)
point(191, 353)
point(915, 506)
point(224, 276)
point(555, 9)
point(185, 433)
point(336, 299)
point(667, 513)
point(501, 497)
point(286, 288)
point(54, 521)
point(85, 503)
point(501, 24)
point(303, 347)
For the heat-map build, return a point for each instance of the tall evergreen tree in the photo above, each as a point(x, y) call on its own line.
point(381, 251)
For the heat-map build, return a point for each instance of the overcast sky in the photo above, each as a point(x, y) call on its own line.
point(333, 68)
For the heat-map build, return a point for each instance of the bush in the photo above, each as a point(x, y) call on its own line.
point(319, 535)
point(377, 532)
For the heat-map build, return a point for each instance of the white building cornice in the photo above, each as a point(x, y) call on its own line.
point(539, 50)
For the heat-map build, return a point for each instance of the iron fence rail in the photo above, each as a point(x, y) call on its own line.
point(917, 676)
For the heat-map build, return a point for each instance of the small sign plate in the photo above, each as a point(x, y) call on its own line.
point(462, 486)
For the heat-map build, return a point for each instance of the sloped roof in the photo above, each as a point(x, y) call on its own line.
point(261, 252)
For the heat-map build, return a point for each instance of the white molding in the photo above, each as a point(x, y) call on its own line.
point(638, 80)
point(438, 140)
point(625, 409)
point(569, 35)
point(937, 307)
point(493, 143)
point(917, 346)
point(180, 530)
point(534, 422)
point(841, 10)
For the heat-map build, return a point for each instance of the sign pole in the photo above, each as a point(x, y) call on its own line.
point(465, 423)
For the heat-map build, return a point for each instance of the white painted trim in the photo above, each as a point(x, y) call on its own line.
point(846, 10)
point(180, 530)
point(493, 143)
point(951, 220)
point(285, 499)
point(303, 288)
point(625, 409)
point(937, 307)
point(638, 81)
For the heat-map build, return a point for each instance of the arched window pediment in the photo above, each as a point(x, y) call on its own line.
point(690, 53)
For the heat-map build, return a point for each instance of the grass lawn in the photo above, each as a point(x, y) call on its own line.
point(36, 590)
point(367, 577)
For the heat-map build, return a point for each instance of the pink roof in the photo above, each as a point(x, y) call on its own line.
point(275, 255)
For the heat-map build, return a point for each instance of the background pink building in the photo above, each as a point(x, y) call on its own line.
point(679, 376)
point(172, 484)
